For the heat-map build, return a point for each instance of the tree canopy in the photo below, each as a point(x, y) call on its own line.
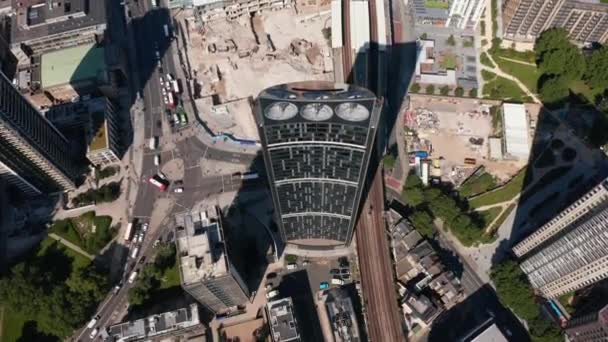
point(554, 90)
point(596, 74)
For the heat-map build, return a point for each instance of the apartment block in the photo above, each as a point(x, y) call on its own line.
point(234, 9)
point(524, 20)
point(40, 26)
point(594, 200)
point(465, 13)
point(205, 268)
point(34, 156)
point(574, 258)
point(282, 321)
point(317, 140)
point(589, 327)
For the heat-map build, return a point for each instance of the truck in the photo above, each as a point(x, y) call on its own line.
point(250, 176)
point(129, 231)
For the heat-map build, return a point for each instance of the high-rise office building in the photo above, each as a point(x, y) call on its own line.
point(317, 140)
point(570, 251)
point(34, 156)
point(591, 327)
point(524, 20)
point(206, 271)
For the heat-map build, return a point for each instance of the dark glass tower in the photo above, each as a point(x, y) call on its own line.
point(317, 139)
point(34, 156)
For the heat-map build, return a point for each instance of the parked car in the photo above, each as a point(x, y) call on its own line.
point(93, 321)
point(157, 159)
point(94, 333)
point(334, 271)
point(144, 227)
point(346, 277)
point(292, 266)
point(345, 271)
point(178, 190)
point(116, 288)
point(337, 281)
point(142, 260)
point(272, 294)
point(323, 285)
point(344, 262)
point(305, 262)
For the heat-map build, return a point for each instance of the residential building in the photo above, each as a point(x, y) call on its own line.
point(209, 10)
point(282, 321)
point(34, 156)
point(427, 70)
point(206, 271)
point(433, 16)
point(465, 14)
point(487, 331)
point(95, 117)
point(317, 140)
point(585, 21)
point(590, 203)
point(572, 258)
point(342, 316)
point(40, 26)
point(421, 307)
point(158, 327)
point(515, 131)
point(591, 327)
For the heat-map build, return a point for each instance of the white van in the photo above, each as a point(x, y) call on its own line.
point(337, 281)
point(272, 294)
point(157, 160)
point(94, 333)
point(132, 277)
point(153, 143)
point(134, 253)
point(92, 322)
point(292, 266)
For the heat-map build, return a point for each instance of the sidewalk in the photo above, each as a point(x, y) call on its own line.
point(71, 246)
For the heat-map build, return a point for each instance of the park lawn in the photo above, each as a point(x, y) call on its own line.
point(436, 4)
point(527, 74)
point(501, 88)
point(579, 87)
point(79, 231)
point(489, 215)
point(477, 185)
point(503, 194)
point(485, 60)
point(449, 61)
point(12, 324)
point(502, 218)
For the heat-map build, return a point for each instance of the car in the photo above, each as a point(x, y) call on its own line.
point(323, 285)
point(93, 321)
point(305, 262)
point(346, 277)
point(164, 91)
point(140, 238)
point(157, 160)
point(179, 182)
point(116, 288)
point(165, 100)
point(268, 287)
point(142, 259)
point(161, 80)
point(337, 281)
point(292, 266)
point(334, 271)
point(144, 227)
point(272, 294)
point(157, 54)
point(178, 190)
point(271, 275)
point(94, 333)
point(345, 271)
point(344, 262)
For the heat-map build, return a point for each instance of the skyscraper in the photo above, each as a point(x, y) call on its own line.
point(317, 140)
point(570, 251)
point(590, 327)
point(34, 156)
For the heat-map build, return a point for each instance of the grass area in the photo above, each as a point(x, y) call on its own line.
point(579, 87)
point(501, 88)
point(524, 56)
point(436, 4)
point(449, 61)
point(485, 60)
point(12, 324)
point(482, 26)
point(487, 75)
point(477, 185)
point(79, 261)
point(503, 194)
point(79, 231)
point(502, 218)
point(489, 215)
point(527, 74)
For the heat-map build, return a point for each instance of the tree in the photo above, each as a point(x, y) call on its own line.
point(326, 31)
point(415, 88)
point(459, 91)
point(596, 74)
point(389, 161)
point(473, 92)
point(138, 295)
point(451, 41)
point(551, 39)
point(430, 89)
point(165, 258)
point(513, 289)
point(413, 192)
point(423, 36)
point(555, 55)
point(445, 90)
point(554, 90)
point(423, 223)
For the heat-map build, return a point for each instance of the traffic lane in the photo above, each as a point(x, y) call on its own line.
point(221, 155)
point(469, 279)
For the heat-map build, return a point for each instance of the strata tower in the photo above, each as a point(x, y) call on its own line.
point(317, 140)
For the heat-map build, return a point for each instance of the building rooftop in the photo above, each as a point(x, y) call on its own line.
point(99, 140)
point(490, 334)
point(72, 65)
point(39, 18)
point(516, 130)
point(283, 325)
point(200, 245)
point(166, 322)
point(342, 316)
point(421, 306)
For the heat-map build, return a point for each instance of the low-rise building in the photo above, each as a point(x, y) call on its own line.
point(427, 70)
point(282, 321)
point(158, 327)
point(342, 316)
point(421, 307)
point(206, 271)
point(515, 131)
point(209, 10)
point(487, 331)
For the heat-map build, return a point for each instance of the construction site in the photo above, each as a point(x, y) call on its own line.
point(459, 136)
point(233, 59)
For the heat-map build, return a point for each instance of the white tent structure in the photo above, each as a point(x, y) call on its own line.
point(515, 123)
